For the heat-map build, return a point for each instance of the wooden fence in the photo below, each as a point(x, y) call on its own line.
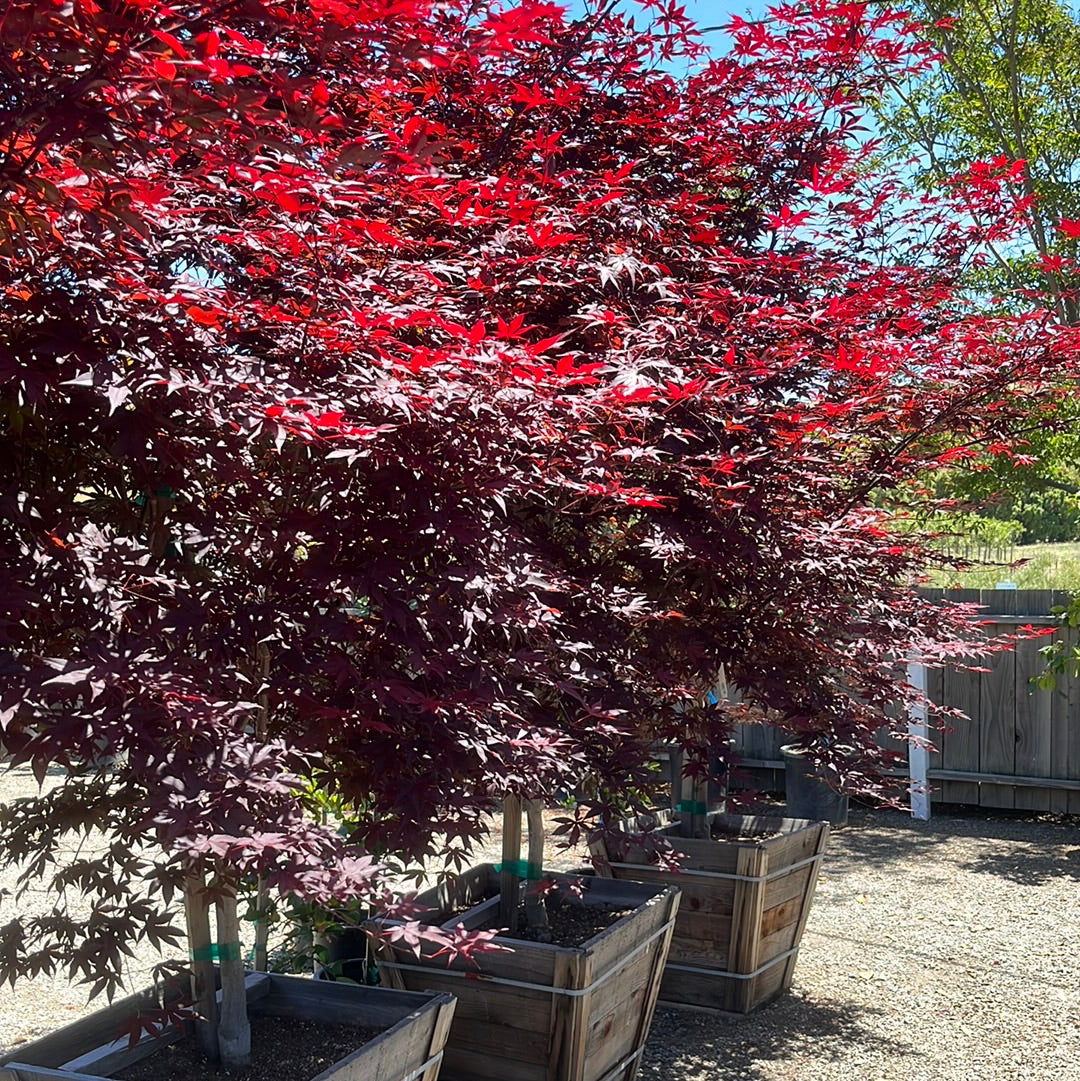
point(1021, 746)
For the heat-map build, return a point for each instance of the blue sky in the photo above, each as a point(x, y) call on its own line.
point(703, 12)
point(712, 12)
point(717, 12)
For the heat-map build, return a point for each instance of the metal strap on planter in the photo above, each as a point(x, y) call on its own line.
point(569, 992)
point(421, 1070)
point(736, 975)
point(616, 1070)
point(779, 873)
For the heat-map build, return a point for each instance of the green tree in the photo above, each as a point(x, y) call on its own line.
point(1000, 104)
point(997, 108)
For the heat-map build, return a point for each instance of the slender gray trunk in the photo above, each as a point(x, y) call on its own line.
point(535, 910)
point(509, 877)
point(234, 1032)
point(203, 992)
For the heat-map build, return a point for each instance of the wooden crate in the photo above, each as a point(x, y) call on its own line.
point(409, 1050)
point(544, 1012)
point(743, 909)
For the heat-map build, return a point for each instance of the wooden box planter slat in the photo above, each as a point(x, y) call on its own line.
point(743, 909)
point(409, 1050)
point(545, 1012)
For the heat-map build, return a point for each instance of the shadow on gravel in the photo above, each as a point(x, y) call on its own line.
point(1024, 847)
point(1032, 866)
point(698, 1046)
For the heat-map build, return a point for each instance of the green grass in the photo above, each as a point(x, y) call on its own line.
point(1045, 566)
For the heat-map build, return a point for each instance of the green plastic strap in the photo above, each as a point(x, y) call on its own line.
point(689, 806)
point(225, 951)
point(521, 869)
point(158, 493)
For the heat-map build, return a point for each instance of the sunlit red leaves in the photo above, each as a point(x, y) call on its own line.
point(512, 29)
point(787, 218)
point(629, 497)
point(207, 317)
point(860, 362)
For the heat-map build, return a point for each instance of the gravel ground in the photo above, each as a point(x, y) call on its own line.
point(940, 951)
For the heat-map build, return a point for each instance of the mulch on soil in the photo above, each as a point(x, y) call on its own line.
point(569, 924)
point(281, 1050)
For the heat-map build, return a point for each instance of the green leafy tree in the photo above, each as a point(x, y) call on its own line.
point(997, 112)
point(1000, 106)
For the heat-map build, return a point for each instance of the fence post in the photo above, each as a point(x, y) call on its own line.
point(918, 755)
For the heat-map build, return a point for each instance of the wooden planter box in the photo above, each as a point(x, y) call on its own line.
point(744, 904)
point(409, 1050)
point(545, 1012)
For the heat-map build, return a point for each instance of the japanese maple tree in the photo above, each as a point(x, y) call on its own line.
point(431, 399)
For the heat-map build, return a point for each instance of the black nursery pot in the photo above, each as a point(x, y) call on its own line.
point(808, 794)
point(346, 956)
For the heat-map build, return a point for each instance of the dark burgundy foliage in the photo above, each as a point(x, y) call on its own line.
point(430, 399)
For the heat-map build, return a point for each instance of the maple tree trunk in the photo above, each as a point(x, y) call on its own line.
point(234, 1032)
point(509, 882)
point(262, 928)
point(262, 896)
point(535, 911)
point(693, 805)
point(512, 873)
point(203, 993)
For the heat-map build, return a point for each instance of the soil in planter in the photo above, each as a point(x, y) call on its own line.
point(569, 924)
point(281, 1050)
point(720, 832)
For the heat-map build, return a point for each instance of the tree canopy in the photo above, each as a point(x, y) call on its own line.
point(431, 400)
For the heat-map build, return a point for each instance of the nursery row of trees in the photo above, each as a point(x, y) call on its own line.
point(428, 400)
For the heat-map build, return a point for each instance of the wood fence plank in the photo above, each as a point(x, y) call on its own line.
point(1012, 731)
point(1060, 723)
point(999, 602)
point(1034, 726)
point(997, 728)
point(935, 691)
point(1036, 603)
point(960, 740)
point(760, 743)
point(1033, 706)
point(1071, 739)
point(1017, 780)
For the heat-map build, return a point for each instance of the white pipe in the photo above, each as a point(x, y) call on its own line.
point(918, 755)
